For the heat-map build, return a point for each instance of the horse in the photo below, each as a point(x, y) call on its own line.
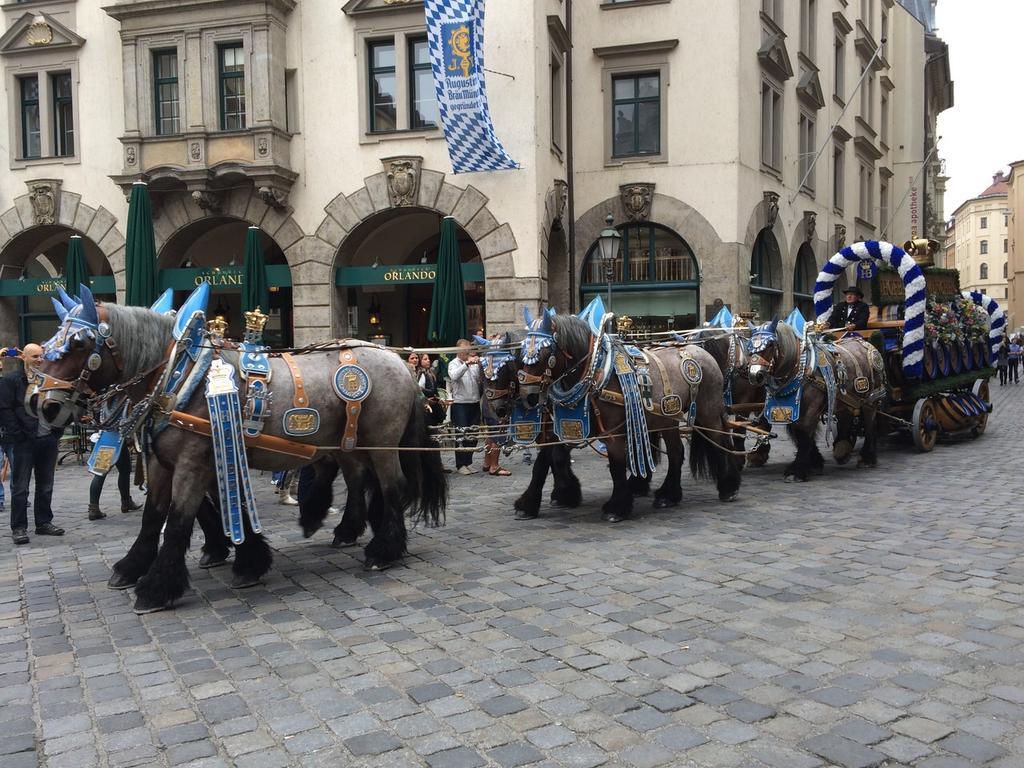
point(851, 367)
point(500, 368)
point(104, 349)
point(562, 353)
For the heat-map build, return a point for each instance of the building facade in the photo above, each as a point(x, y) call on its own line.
point(1015, 268)
point(735, 146)
point(981, 244)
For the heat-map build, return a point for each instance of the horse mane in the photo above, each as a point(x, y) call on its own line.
point(716, 344)
point(141, 336)
point(573, 335)
point(789, 344)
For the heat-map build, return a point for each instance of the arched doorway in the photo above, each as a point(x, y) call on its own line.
point(805, 274)
point(654, 280)
point(213, 250)
point(384, 275)
point(558, 269)
point(766, 276)
point(32, 266)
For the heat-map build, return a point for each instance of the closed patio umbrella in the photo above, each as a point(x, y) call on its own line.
point(255, 292)
point(140, 250)
point(448, 305)
point(75, 272)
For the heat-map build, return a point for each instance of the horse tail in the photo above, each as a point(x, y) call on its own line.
point(423, 470)
point(703, 464)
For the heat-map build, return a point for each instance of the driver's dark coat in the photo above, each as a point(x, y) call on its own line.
point(16, 424)
point(856, 313)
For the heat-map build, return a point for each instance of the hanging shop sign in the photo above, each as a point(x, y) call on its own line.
point(223, 278)
point(103, 284)
point(402, 274)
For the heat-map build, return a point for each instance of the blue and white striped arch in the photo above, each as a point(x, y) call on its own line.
point(913, 285)
point(996, 317)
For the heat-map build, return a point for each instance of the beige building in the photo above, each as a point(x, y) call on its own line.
point(1015, 268)
point(981, 243)
point(697, 126)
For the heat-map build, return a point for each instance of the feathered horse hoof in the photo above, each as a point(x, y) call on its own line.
point(341, 542)
point(119, 581)
point(142, 607)
point(523, 515)
point(244, 581)
point(209, 560)
point(373, 564)
point(664, 503)
point(795, 479)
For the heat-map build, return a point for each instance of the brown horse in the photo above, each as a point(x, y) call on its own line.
point(783, 364)
point(566, 347)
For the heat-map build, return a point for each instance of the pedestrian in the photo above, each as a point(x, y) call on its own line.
point(124, 487)
point(428, 386)
point(1002, 360)
point(412, 362)
point(34, 446)
point(464, 389)
point(1013, 359)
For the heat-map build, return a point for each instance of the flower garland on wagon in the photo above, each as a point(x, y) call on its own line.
point(973, 319)
point(942, 324)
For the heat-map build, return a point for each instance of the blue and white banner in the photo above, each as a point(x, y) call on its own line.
point(455, 30)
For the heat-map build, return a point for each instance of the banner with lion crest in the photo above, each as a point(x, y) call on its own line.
point(455, 30)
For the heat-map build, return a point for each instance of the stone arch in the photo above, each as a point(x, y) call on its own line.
point(716, 260)
point(496, 243)
point(554, 246)
point(96, 224)
point(760, 218)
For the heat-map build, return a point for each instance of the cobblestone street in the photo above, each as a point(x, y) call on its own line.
point(866, 618)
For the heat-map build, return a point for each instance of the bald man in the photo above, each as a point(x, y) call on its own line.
point(34, 447)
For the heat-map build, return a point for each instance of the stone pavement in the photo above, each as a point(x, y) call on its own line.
point(869, 617)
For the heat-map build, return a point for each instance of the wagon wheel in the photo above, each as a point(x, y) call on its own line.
point(981, 390)
point(925, 428)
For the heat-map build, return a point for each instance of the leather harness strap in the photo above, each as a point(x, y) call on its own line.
point(299, 400)
point(352, 407)
point(200, 426)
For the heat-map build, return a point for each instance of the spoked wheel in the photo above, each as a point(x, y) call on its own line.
point(980, 389)
point(925, 427)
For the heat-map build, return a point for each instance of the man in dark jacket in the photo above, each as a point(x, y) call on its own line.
point(35, 450)
point(853, 315)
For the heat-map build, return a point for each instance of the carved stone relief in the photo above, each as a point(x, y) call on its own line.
point(403, 175)
point(636, 200)
point(561, 197)
point(274, 198)
point(771, 209)
point(45, 197)
point(840, 236)
point(810, 224)
point(208, 201)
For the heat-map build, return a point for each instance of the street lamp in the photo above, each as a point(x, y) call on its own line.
point(608, 243)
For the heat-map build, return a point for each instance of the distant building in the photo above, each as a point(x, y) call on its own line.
point(981, 247)
point(1015, 269)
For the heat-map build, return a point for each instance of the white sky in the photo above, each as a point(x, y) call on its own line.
point(984, 131)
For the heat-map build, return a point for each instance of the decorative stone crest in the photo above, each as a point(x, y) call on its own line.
point(195, 151)
point(561, 197)
point(273, 198)
point(262, 146)
point(840, 236)
point(403, 175)
point(211, 202)
point(636, 200)
point(45, 196)
point(810, 224)
point(771, 209)
point(130, 156)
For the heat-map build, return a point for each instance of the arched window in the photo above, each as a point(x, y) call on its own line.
point(984, 247)
point(1005, 265)
point(804, 276)
point(765, 276)
point(984, 271)
point(654, 280)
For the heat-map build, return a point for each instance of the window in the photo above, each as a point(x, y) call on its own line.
point(1005, 267)
point(867, 14)
point(766, 276)
point(883, 206)
point(165, 92)
point(867, 97)
point(804, 277)
point(231, 70)
point(1006, 245)
point(773, 10)
point(771, 126)
point(883, 130)
point(867, 197)
point(423, 112)
point(636, 115)
point(63, 115)
point(291, 100)
point(983, 248)
point(1006, 219)
point(383, 113)
point(807, 149)
point(984, 222)
point(983, 271)
point(31, 146)
point(808, 24)
point(556, 102)
point(838, 176)
point(840, 68)
point(885, 31)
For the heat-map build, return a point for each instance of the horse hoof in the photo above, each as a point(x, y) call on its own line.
point(729, 497)
point(119, 581)
point(866, 464)
point(212, 561)
point(244, 581)
point(663, 503)
point(523, 515)
point(373, 564)
point(141, 607)
point(341, 543)
point(613, 517)
point(795, 479)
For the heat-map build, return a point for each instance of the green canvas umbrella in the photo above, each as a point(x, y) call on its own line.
point(140, 250)
point(75, 272)
point(448, 305)
point(255, 292)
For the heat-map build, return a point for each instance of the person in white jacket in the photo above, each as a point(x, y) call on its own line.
point(464, 387)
